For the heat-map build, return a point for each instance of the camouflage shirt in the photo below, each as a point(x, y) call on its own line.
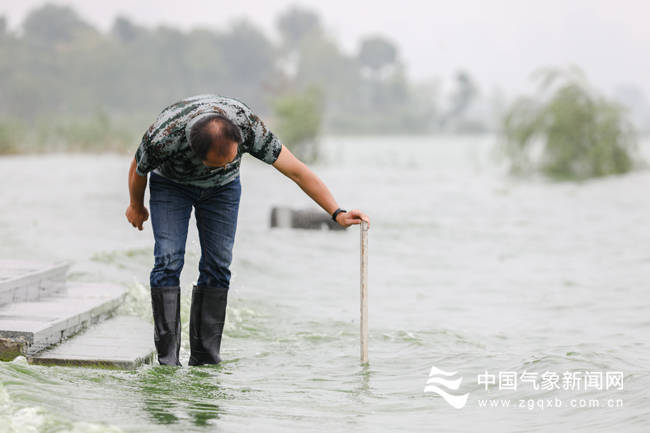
point(165, 146)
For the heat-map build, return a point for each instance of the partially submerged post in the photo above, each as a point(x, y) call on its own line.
point(311, 219)
point(364, 292)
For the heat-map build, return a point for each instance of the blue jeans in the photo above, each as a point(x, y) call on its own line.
point(215, 210)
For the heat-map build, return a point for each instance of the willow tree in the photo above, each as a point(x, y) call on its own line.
point(567, 130)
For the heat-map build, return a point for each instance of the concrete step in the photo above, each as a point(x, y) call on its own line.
point(31, 326)
point(121, 342)
point(25, 280)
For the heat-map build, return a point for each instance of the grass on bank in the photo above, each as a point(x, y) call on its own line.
point(97, 133)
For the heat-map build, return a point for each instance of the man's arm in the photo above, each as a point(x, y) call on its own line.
point(136, 213)
point(307, 180)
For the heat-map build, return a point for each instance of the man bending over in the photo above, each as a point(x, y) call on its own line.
point(193, 152)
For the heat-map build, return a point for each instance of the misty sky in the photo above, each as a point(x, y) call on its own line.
point(499, 42)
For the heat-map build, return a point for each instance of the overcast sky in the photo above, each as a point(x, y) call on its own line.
point(498, 41)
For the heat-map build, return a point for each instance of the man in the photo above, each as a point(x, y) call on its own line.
point(193, 151)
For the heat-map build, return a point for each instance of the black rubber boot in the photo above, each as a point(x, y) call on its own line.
point(166, 306)
point(207, 316)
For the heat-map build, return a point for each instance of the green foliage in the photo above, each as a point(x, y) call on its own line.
point(250, 57)
point(62, 66)
point(298, 117)
point(96, 133)
point(11, 136)
point(567, 131)
point(51, 24)
point(59, 70)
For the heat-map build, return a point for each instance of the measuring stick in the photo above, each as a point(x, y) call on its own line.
point(364, 292)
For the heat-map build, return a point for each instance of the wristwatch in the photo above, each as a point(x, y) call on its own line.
point(336, 213)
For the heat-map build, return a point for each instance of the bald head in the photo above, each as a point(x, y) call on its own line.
point(215, 140)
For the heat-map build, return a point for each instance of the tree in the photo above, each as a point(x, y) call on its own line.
point(464, 93)
point(53, 24)
point(62, 70)
point(322, 64)
point(567, 130)
point(124, 30)
point(299, 116)
point(376, 53)
point(248, 59)
point(296, 24)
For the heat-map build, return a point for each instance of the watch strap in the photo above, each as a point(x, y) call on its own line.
point(337, 212)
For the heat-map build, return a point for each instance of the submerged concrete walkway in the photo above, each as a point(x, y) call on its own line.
point(121, 342)
point(24, 281)
point(38, 310)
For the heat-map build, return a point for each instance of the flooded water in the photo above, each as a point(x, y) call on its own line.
point(470, 271)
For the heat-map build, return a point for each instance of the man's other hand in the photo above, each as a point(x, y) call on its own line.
point(355, 216)
point(137, 215)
